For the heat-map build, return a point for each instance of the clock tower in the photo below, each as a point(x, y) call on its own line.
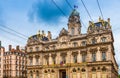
point(74, 24)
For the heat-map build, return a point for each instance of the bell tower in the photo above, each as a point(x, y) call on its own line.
point(74, 24)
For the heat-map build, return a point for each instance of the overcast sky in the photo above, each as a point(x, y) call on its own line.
point(29, 16)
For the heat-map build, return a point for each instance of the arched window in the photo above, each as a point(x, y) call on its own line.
point(83, 70)
point(93, 69)
point(104, 68)
point(72, 31)
point(74, 70)
point(37, 74)
point(52, 71)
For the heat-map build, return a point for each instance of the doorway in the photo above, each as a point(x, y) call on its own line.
point(62, 74)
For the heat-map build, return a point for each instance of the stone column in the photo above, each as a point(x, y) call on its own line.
point(34, 75)
point(98, 55)
point(79, 57)
point(68, 57)
point(108, 53)
point(58, 58)
point(34, 60)
point(50, 59)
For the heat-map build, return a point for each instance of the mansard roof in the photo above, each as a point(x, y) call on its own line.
point(39, 37)
point(99, 26)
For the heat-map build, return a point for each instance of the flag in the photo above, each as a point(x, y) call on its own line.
point(75, 6)
point(61, 63)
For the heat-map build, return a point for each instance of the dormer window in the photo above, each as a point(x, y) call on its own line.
point(83, 43)
point(93, 41)
point(37, 48)
point(75, 44)
point(31, 49)
point(103, 39)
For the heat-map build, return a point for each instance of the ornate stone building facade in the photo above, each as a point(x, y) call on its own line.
point(15, 63)
point(2, 50)
point(73, 54)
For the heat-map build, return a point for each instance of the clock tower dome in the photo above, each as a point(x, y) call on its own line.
point(74, 24)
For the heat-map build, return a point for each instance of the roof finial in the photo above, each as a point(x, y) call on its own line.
point(100, 19)
point(38, 32)
point(108, 20)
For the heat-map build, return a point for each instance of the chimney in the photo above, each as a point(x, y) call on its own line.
point(18, 48)
point(10, 47)
point(49, 35)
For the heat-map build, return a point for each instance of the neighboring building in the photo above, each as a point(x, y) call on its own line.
point(15, 63)
point(2, 49)
point(73, 54)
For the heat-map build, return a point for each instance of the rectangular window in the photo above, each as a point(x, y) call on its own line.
point(54, 61)
point(75, 59)
point(31, 49)
point(93, 57)
point(84, 58)
point(37, 48)
point(64, 60)
point(31, 61)
point(103, 56)
point(83, 43)
point(37, 61)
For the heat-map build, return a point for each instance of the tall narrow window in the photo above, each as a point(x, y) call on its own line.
point(47, 61)
point(83, 57)
point(93, 57)
point(75, 58)
point(72, 31)
point(37, 61)
point(103, 56)
point(31, 74)
point(37, 74)
point(54, 61)
point(63, 59)
point(31, 61)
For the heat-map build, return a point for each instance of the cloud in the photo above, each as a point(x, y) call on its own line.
point(46, 11)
